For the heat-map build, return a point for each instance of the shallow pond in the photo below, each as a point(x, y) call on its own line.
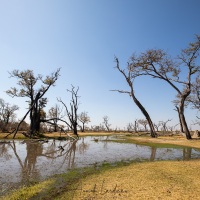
point(24, 162)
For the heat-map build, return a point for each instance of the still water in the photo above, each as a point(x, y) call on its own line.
point(24, 162)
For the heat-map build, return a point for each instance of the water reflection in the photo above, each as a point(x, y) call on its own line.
point(28, 169)
point(4, 151)
point(83, 146)
point(153, 153)
point(22, 163)
point(187, 154)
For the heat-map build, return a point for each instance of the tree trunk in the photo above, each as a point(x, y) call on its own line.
point(35, 117)
point(179, 116)
point(55, 127)
point(183, 121)
point(37, 123)
point(135, 127)
point(83, 129)
point(143, 110)
point(75, 131)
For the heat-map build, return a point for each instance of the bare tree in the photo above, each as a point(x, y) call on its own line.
point(106, 123)
point(129, 76)
point(27, 82)
point(157, 64)
point(157, 126)
point(7, 114)
point(72, 110)
point(55, 114)
point(84, 119)
point(98, 128)
point(171, 128)
point(164, 125)
point(130, 127)
point(136, 126)
point(144, 123)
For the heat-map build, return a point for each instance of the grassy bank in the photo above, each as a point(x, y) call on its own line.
point(148, 180)
point(155, 180)
point(174, 140)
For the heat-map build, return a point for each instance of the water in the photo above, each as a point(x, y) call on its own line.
point(25, 162)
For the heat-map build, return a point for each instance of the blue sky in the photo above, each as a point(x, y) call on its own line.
point(82, 37)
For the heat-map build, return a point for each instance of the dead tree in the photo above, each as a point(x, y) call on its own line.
point(136, 126)
point(55, 114)
point(72, 110)
point(7, 115)
point(130, 127)
point(164, 125)
point(106, 123)
point(157, 126)
point(27, 82)
point(129, 77)
point(144, 123)
point(84, 119)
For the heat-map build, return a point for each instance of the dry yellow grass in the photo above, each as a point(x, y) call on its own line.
point(153, 180)
point(18, 136)
point(57, 134)
point(177, 140)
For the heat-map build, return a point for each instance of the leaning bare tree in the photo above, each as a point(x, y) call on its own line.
point(157, 64)
point(27, 82)
point(129, 76)
point(72, 110)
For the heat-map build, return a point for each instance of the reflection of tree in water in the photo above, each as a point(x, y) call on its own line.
point(50, 150)
point(4, 146)
point(28, 170)
point(68, 154)
point(187, 153)
point(35, 149)
point(105, 143)
point(153, 153)
point(83, 146)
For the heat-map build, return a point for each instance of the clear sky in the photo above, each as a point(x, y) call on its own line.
point(82, 37)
